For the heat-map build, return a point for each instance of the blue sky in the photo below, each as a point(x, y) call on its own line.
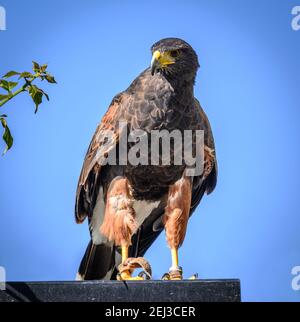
point(248, 84)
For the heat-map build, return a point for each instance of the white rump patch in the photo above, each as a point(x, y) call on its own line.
point(143, 209)
point(97, 219)
point(78, 277)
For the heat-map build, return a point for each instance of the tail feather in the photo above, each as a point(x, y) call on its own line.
point(98, 262)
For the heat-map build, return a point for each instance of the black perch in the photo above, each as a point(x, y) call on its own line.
point(130, 291)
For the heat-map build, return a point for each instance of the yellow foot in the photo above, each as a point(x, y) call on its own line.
point(126, 276)
point(129, 265)
point(194, 277)
point(170, 277)
point(175, 274)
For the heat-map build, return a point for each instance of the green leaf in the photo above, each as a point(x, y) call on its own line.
point(2, 97)
point(12, 85)
point(43, 68)
point(25, 74)
point(10, 74)
point(7, 137)
point(45, 94)
point(8, 86)
point(37, 96)
point(4, 84)
point(50, 79)
point(32, 90)
point(36, 67)
point(3, 120)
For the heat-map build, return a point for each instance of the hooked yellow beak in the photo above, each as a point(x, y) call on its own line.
point(160, 60)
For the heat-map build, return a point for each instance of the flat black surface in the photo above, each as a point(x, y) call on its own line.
point(115, 291)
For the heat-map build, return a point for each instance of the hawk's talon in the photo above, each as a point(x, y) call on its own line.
point(127, 268)
point(175, 274)
point(126, 276)
point(145, 275)
point(194, 277)
point(166, 277)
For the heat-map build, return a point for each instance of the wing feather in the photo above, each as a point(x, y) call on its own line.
point(96, 155)
point(210, 166)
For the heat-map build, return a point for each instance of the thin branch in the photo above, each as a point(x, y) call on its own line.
point(20, 90)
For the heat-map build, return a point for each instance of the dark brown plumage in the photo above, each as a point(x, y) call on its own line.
point(160, 98)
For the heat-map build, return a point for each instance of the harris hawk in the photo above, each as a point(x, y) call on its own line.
point(129, 205)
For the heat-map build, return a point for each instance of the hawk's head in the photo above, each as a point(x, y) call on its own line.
point(175, 58)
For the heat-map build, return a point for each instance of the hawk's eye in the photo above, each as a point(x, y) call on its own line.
point(174, 53)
